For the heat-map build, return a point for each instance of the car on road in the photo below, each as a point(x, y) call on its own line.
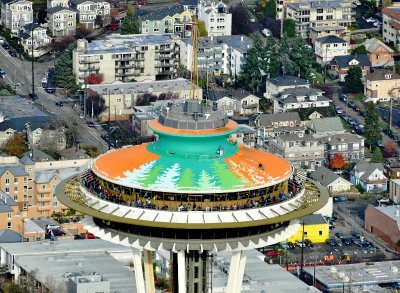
point(90, 124)
point(356, 235)
point(59, 104)
point(300, 243)
point(33, 96)
point(351, 105)
point(343, 98)
point(6, 46)
point(52, 226)
point(370, 19)
point(81, 115)
point(56, 232)
point(13, 53)
point(266, 32)
point(78, 237)
point(384, 200)
point(2, 74)
point(380, 144)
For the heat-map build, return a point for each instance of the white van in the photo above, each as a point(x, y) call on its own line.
point(266, 32)
point(1, 40)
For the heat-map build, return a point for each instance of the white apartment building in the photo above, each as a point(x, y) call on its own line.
point(62, 21)
point(326, 48)
point(127, 58)
point(296, 98)
point(391, 25)
point(394, 188)
point(15, 14)
point(88, 10)
point(55, 3)
point(328, 13)
point(217, 19)
point(39, 38)
point(217, 55)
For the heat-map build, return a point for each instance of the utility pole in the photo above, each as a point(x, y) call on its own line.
point(33, 63)
point(109, 117)
point(302, 253)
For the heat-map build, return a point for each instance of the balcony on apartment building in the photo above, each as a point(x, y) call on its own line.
point(43, 208)
point(47, 198)
point(127, 73)
point(249, 106)
point(89, 68)
point(164, 48)
point(89, 60)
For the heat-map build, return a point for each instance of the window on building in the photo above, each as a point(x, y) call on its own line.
point(9, 225)
point(320, 17)
point(329, 17)
point(9, 215)
point(15, 188)
point(320, 11)
point(320, 233)
point(7, 180)
point(15, 179)
point(25, 207)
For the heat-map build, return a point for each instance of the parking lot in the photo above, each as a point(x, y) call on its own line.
point(359, 247)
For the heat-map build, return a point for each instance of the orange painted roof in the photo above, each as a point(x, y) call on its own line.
point(231, 125)
point(136, 167)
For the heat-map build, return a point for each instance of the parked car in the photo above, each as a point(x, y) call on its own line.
point(340, 235)
point(56, 232)
point(343, 98)
point(284, 245)
point(338, 110)
point(346, 241)
point(351, 105)
point(291, 245)
point(90, 123)
point(6, 46)
point(266, 32)
point(13, 53)
point(2, 74)
point(78, 237)
point(332, 242)
point(88, 236)
point(370, 19)
point(308, 243)
point(59, 104)
point(52, 226)
point(384, 200)
point(300, 243)
point(272, 253)
point(356, 235)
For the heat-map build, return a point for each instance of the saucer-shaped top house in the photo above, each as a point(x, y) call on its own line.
point(191, 192)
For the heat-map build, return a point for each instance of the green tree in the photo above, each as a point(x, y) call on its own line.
point(360, 50)
point(377, 157)
point(98, 21)
point(130, 24)
point(15, 145)
point(64, 76)
point(250, 76)
point(270, 7)
point(201, 27)
point(372, 130)
point(353, 80)
point(289, 28)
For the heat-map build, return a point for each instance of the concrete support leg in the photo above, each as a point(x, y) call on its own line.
point(137, 263)
point(236, 271)
point(149, 272)
point(181, 272)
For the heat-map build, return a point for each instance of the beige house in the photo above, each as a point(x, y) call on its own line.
point(239, 102)
point(381, 85)
point(55, 3)
point(333, 182)
point(391, 25)
point(120, 97)
point(88, 10)
point(127, 58)
point(62, 21)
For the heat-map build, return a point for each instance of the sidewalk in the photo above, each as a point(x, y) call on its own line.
point(376, 241)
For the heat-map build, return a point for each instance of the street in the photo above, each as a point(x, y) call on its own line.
point(18, 75)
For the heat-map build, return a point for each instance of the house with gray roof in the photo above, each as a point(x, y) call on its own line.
point(380, 54)
point(168, 20)
point(34, 37)
point(270, 126)
point(370, 176)
point(301, 150)
point(88, 10)
point(9, 236)
point(298, 98)
point(329, 179)
point(62, 21)
point(276, 85)
point(15, 14)
point(349, 145)
point(339, 65)
point(321, 127)
point(37, 155)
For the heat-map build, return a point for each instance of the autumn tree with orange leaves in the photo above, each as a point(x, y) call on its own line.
point(337, 161)
point(94, 79)
point(390, 150)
